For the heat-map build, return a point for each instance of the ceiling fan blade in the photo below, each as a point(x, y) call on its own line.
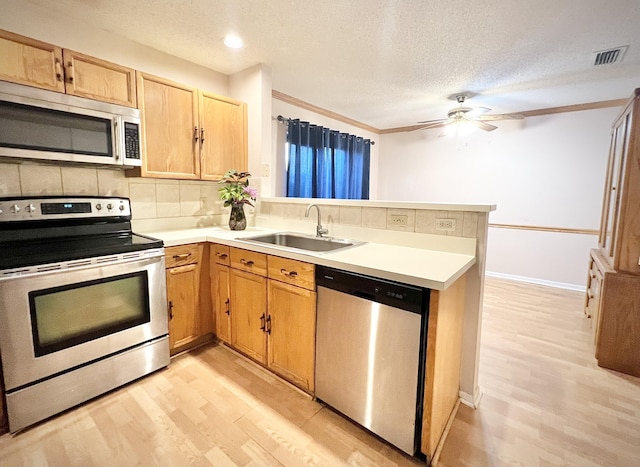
point(433, 124)
point(488, 118)
point(440, 120)
point(483, 126)
point(474, 113)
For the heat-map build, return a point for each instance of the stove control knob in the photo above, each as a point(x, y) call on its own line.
point(31, 208)
point(15, 209)
point(98, 206)
point(109, 206)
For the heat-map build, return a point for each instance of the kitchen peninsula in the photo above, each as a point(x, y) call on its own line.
point(448, 262)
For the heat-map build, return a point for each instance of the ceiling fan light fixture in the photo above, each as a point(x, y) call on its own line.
point(461, 127)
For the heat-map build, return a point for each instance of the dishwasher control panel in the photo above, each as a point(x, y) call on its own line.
point(404, 296)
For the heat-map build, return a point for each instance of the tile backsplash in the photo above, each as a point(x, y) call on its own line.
point(162, 204)
point(179, 203)
point(416, 220)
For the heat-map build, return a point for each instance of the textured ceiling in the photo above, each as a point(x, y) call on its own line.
point(392, 63)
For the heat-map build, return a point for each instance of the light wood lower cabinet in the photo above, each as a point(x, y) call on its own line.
point(188, 303)
point(249, 314)
point(265, 307)
point(291, 326)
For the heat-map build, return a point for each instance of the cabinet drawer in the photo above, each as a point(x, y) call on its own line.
point(181, 255)
point(220, 254)
point(292, 272)
point(249, 261)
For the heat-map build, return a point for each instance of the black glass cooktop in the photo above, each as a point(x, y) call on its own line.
point(32, 253)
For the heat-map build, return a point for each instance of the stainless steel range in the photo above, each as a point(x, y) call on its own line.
point(82, 303)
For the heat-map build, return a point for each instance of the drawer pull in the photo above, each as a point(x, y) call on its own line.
point(170, 309)
point(182, 256)
point(283, 271)
point(268, 330)
point(222, 255)
point(246, 263)
point(228, 307)
point(262, 323)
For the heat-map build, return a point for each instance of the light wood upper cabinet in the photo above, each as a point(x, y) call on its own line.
point(90, 77)
point(188, 133)
point(169, 121)
point(223, 141)
point(34, 63)
point(31, 62)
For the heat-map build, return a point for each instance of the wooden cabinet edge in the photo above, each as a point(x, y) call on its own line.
point(69, 57)
point(444, 347)
point(56, 52)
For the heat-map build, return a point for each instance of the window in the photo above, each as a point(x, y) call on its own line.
point(325, 163)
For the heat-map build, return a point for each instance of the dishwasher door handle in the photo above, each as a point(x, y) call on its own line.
point(365, 295)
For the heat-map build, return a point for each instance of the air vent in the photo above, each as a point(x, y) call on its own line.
point(609, 56)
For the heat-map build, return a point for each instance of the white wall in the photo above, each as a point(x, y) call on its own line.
point(291, 111)
point(543, 171)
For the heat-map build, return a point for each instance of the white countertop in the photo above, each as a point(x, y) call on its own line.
point(417, 266)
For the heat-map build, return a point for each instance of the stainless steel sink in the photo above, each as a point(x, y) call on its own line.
point(290, 240)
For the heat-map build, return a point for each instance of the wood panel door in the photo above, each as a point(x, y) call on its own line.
point(223, 123)
point(182, 294)
point(90, 77)
point(249, 314)
point(222, 301)
point(31, 62)
point(291, 328)
point(169, 129)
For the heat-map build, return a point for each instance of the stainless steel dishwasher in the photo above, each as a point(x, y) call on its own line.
point(370, 353)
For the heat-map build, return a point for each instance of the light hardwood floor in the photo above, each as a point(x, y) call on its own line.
point(545, 402)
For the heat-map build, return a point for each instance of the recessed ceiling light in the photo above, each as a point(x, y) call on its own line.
point(233, 42)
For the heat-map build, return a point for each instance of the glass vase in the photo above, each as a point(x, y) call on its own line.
point(237, 219)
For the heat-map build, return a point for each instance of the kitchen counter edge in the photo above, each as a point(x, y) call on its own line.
point(430, 263)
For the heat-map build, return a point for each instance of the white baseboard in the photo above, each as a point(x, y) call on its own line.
point(533, 280)
point(469, 400)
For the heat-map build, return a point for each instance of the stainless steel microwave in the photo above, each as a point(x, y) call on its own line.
point(51, 126)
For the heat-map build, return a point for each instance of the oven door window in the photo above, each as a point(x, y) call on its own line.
point(69, 315)
point(35, 128)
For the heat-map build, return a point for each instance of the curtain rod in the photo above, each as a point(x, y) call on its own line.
point(282, 119)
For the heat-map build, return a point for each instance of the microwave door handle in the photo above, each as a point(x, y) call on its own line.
point(116, 139)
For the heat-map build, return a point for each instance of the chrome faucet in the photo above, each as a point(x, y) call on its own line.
point(320, 231)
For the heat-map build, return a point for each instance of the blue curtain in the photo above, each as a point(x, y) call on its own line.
point(325, 163)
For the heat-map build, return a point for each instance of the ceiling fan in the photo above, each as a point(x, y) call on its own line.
point(468, 116)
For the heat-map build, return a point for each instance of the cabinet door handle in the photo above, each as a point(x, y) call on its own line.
point(195, 134)
point(201, 135)
point(221, 255)
point(69, 72)
point(288, 273)
point(170, 309)
point(228, 307)
point(182, 256)
point(246, 263)
point(58, 66)
point(269, 324)
point(262, 322)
